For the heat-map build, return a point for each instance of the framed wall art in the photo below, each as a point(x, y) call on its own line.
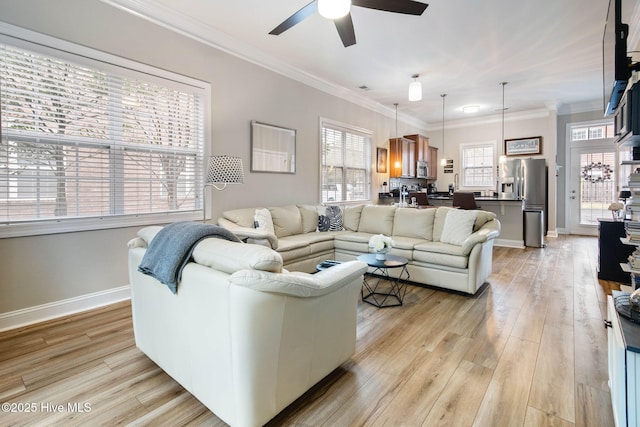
point(381, 162)
point(523, 146)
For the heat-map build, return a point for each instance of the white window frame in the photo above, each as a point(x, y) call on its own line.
point(471, 145)
point(51, 46)
point(588, 127)
point(369, 168)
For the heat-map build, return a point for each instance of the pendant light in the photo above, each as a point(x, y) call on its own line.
point(444, 158)
point(415, 89)
point(397, 163)
point(333, 9)
point(503, 157)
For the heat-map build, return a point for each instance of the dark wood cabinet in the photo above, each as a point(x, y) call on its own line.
point(402, 158)
point(611, 251)
point(425, 153)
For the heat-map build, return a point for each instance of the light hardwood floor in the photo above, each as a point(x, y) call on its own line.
point(531, 350)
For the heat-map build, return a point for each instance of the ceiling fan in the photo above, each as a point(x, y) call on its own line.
point(342, 19)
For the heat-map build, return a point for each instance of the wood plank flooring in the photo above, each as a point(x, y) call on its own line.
point(531, 350)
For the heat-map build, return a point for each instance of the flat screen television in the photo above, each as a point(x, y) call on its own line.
point(615, 63)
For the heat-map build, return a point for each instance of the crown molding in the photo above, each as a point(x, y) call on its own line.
point(495, 118)
point(175, 21)
point(581, 107)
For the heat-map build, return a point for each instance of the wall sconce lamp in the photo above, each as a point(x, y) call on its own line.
point(221, 171)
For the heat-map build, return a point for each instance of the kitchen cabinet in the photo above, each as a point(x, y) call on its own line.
point(623, 337)
point(611, 251)
point(432, 159)
point(402, 158)
point(421, 146)
point(425, 153)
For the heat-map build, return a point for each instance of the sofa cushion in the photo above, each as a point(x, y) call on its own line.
point(292, 249)
point(318, 242)
point(330, 218)
point(353, 241)
point(483, 218)
point(458, 225)
point(230, 257)
point(415, 223)
point(286, 220)
point(438, 222)
point(242, 217)
point(377, 219)
point(299, 284)
point(401, 242)
point(309, 215)
point(442, 254)
point(263, 221)
point(351, 217)
point(148, 233)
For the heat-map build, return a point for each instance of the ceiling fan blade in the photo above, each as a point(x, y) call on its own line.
point(344, 26)
point(408, 7)
point(296, 18)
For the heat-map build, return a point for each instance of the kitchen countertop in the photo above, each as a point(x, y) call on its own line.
point(478, 198)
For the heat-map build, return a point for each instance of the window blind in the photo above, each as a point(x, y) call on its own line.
point(346, 163)
point(478, 166)
point(84, 141)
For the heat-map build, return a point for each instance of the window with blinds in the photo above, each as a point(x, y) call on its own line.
point(346, 163)
point(82, 140)
point(478, 165)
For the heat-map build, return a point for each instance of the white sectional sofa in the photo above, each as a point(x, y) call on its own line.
point(242, 335)
point(447, 248)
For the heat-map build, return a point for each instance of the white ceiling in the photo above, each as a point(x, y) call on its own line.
point(549, 51)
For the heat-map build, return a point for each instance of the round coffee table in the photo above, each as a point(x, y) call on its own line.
point(379, 288)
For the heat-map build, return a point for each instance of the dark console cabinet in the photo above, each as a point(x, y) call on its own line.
point(611, 251)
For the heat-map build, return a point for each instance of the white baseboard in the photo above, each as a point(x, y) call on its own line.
point(552, 233)
point(52, 310)
point(507, 243)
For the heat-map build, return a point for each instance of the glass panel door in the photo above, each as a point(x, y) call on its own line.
point(592, 188)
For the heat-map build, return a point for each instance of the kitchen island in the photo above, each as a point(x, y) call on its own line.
point(508, 211)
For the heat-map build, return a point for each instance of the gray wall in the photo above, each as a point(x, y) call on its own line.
point(42, 269)
point(489, 129)
point(563, 121)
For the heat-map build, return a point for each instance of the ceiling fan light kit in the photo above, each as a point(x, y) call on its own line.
point(415, 89)
point(333, 9)
point(338, 10)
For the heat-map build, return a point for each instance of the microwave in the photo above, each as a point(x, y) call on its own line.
point(422, 169)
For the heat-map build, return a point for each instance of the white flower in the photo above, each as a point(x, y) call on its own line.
point(380, 242)
point(616, 206)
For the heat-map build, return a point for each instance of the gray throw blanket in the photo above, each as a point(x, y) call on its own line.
point(171, 249)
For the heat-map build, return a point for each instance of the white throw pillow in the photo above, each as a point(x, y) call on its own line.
point(263, 220)
point(458, 225)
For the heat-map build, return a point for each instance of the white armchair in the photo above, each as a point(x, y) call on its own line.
point(241, 335)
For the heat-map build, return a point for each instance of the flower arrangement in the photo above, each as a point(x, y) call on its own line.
point(615, 208)
point(380, 244)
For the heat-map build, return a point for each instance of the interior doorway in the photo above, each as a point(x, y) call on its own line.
point(592, 180)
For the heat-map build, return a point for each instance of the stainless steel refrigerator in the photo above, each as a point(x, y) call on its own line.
point(526, 179)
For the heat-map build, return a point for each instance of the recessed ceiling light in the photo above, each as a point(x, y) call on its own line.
point(471, 109)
